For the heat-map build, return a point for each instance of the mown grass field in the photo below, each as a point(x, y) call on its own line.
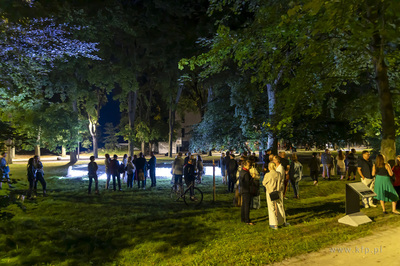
point(70, 227)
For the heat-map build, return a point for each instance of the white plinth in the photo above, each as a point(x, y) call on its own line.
point(355, 219)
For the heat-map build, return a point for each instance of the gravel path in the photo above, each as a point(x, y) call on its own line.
point(380, 248)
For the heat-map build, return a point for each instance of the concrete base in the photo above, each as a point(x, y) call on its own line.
point(355, 219)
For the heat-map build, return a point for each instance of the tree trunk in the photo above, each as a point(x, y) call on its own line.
point(63, 151)
point(72, 154)
point(9, 145)
point(172, 111)
point(95, 147)
point(93, 132)
point(388, 144)
point(132, 102)
point(171, 130)
point(72, 157)
point(37, 150)
point(271, 110)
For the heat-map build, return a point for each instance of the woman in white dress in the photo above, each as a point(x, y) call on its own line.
point(273, 182)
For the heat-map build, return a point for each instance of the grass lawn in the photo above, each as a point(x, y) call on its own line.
point(70, 227)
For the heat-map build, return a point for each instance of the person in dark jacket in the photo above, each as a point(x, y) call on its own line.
point(114, 168)
point(314, 165)
point(141, 168)
point(190, 177)
point(232, 169)
point(39, 174)
point(152, 167)
point(92, 173)
point(31, 173)
point(244, 183)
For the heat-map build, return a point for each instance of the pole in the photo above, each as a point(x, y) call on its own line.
point(214, 190)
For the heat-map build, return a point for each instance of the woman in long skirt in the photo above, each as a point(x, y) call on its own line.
point(383, 186)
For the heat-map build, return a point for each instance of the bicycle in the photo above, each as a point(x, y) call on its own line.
point(197, 198)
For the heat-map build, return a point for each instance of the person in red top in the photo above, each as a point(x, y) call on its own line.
point(396, 183)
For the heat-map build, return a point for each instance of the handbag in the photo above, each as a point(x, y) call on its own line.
point(274, 195)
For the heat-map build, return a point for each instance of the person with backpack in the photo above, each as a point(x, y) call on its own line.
point(295, 174)
point(92, 173)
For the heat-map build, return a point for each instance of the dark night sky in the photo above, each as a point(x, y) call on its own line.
point(110, 112)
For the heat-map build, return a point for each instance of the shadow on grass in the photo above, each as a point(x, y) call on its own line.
point(307, 213)
point(79, 229)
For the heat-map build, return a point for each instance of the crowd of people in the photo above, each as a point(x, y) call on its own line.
point(131, 170)
point(278, 172)
point(242, 177)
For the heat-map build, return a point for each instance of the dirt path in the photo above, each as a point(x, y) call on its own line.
point(381, 248)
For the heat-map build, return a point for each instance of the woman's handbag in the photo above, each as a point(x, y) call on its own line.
point(274, 195)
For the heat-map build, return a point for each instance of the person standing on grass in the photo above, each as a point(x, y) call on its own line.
point(286, 166)
point(152, 169)
point(383, 187)
point(232, 169)
point(200, 167)
point(326, 160)
point(244, 182)
point(114, 166)
point(346, 161)
point(130, 171)
point(227, 158)
point(124, 162)
point(273, 182)
point(352, 160)
point(255, 199)
point(279, 168)
point(92, 173)
point(31, 173)
point(141, 168)
point(222, 165)
point(295, 175)
point(177, 170)
point(135, 176)
point(238, 195)
point(396, 182)
point(365, 171)
point(341, 166)
point(4, 171)
point(314, 166)
point(39, 174)
point(107, 162)
point(190, 177)
point(266, 160)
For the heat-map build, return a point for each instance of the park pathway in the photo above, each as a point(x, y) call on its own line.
point(380, 248)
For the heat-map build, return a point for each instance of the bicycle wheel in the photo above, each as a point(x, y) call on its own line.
point(196, 200)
